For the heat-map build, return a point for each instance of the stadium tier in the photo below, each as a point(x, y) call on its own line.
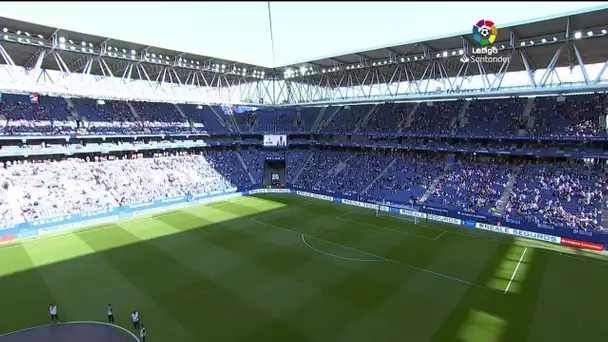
point(534, 192)
point(403, 153)
point(551, 116)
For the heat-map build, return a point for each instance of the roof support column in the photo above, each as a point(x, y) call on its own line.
point(39, 60)
point(484, 76)
point(409, 78)
point(422, 78)
point(567, 36)
point(551, 67)
point(504, 68)
point(127, 73)
point(105, 69)
point(5, 55)
point(462, 73)
point(445, 78)
point(524, 59)
point(598, 79)
point(581, 64)
point(60, 63)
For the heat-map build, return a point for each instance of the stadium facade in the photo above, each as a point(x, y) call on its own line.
point(349, 101)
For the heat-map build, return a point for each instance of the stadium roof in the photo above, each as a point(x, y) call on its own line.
point(26, 54)
point(538, 41)
point(536, 38)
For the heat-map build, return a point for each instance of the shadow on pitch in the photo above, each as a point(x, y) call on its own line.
point(195, 282)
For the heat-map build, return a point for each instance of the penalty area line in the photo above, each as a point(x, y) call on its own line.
point(421, 269)
point(516, 269)
point(337, 256)
point(452, 230)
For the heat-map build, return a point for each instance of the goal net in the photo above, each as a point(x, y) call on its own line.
point(396, 212)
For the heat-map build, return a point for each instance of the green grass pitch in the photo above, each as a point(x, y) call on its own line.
point(287, 268)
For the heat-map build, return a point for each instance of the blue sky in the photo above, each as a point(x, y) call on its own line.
point(302, 31)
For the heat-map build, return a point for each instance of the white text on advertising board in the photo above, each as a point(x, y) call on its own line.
point(411, 213)
point(269, 191)
point(440, 218)
point(517, 232)
point(308, 194)
point(360, 204)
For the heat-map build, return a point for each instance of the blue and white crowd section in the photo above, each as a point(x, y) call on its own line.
point(484, 164)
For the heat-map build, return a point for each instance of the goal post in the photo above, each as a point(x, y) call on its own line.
point(389, 211)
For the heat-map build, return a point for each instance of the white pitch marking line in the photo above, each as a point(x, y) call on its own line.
point(379, 257)
point(516, 268)
point(75, 322)
point(385, 228)
point(440, 235)
point(587, 259)
point(337, 256)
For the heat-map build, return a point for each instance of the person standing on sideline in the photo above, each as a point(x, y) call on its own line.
point(142, 333)
point(53, 313)
point(110, 311)
point(135, 319)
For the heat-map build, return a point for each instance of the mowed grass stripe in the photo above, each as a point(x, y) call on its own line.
point(458, 325)
point(176, 291)
point(386, 243)
point(403, 226)
point(454, 254)
point(281, 259)
point(259, 256)
point(570, 286)
point(276, 274)
point(25, 295)
point(358, 284)
point(84, 285)
point(361, 290)
point(248, 296)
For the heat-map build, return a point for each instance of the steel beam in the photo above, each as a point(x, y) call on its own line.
point(6, 56)
point(529, 70)
point(598, 79)
point(581, 64)
point(551, 67)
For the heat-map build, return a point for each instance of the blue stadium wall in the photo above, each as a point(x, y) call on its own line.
point(557, 235)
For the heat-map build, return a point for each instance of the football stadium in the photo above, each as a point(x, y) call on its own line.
point(445, 189)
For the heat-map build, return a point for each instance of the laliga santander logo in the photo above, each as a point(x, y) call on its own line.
point(485, 32)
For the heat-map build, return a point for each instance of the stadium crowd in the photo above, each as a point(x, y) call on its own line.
point(44, 189)
point(558, 194)
point(550, 194)
point(576, 115)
